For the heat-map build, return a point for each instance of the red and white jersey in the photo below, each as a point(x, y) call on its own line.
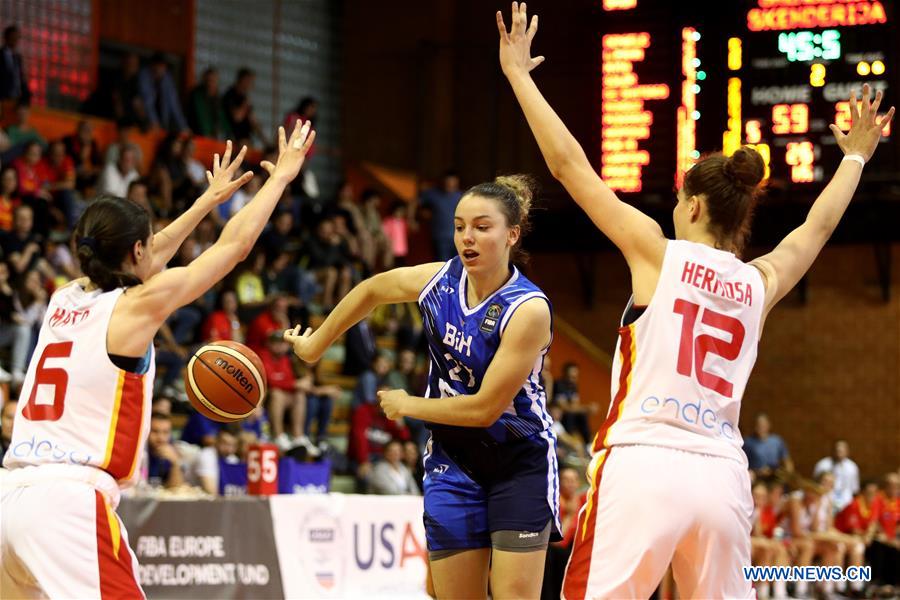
point(681, 368)
point(76, 406)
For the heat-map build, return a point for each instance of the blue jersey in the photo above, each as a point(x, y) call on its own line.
point(462, 342)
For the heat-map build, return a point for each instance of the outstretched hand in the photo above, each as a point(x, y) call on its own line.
point(866, 128)
point(302, 344)
point(221, 185)
point(515, 45)
point(291, 152)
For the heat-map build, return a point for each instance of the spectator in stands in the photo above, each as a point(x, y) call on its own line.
point(390, 476)
point(85, 154)
point(193, 168)
point(249, 285)
point(373, 378)
point(163, 460)
point(370, 430)
point(8, 328)
point(60, 258)
point(569, 444)
point(851, 547)
point(360, 349)
point(330, 258)
point(320, 400)
point(169, 177)
point(570, 502)
point(161, 404)
point(224, 323)
point(396, 229)
point(160, 96)
point(9, 197)
point(401, 321)
point(275, 317)
point(7, 417)
point(13, 82)
point(23, 248)
point(61, 185)
point(575, 414)
point(845, 471)
point(21, 131)
point(127, 102)
point(546, 377)
point(115, 178)
point(137, 192)
point(205, 469)
point(285, 393)
point(382, 256)
point(766, 551)
point(766, 451)
point(239, 110)
point(205, 113)
point(124, 133)
point(884, 552)
point(34, 185)
point(441, 202)
point(412, 458)
point(804, 518)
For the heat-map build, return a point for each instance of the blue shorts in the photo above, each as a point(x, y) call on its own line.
point(475, 489)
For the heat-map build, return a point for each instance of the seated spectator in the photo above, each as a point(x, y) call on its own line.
point(766, 451)
point(60, 258)
point(441, 202)
point(116, 177)
point(22, 247)
point(402, 321)
point(285, 394)
point(570, 502)
point(9, 197)
point(320, 399)
point(845, 471)
point(7, 417)
point(61, 185)
point(250, 288)
point(161, 404)
point(169, 177)
point(766, 551)
point(370, 431)
point(412, 458)
point(575, 414)
point(124, 133)
point(239, 110)
point(568, 444)
point(224, 323)
point(849, 549)
point(127, 103)
point(21, 131)
point(85, 154)
point(194, 169)
point(330, 259)
point(34, 185)
point(884, 552)
point(390, 477)
point(382, 257)
point(137, 192)
point(13, 82)
point(205, 113)
point(163, 460)
point(160, 96)
point(546, 378)
point(205, 471)
point(373, 379)
point(360, 349)
point(396, 229)
point(274, 318)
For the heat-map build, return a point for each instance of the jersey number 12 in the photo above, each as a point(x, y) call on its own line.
point(692, 350)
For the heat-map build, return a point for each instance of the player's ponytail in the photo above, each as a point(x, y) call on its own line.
point(731, 186)
point(104, 237)
point(515, 195)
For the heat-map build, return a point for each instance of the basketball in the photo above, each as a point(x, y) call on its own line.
point(225, 381)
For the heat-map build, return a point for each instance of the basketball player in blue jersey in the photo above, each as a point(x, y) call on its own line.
point(491, 485)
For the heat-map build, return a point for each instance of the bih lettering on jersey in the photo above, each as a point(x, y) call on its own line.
point(681, 368)
point(76, 406)
point(462, 342)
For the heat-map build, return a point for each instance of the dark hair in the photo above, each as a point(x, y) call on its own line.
point(244, 72)
point(514, 194)
point(305, 103)
point(158, 58)
point(136, 182)
point(8, 31)
point(731, 188)
point(159, 416)
point(104, 237)
point(368, 194)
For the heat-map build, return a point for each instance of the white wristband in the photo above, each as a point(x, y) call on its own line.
point(856, 158)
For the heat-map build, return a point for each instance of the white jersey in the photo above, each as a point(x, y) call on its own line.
point(76, 406)
point(681, 368)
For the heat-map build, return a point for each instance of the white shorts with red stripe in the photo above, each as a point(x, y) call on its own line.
point(60, 536)
point(651, 506)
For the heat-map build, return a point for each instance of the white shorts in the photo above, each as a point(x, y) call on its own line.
point(60, 536)
point(651, 506)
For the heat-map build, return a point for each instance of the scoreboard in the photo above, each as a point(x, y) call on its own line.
point(774, 74)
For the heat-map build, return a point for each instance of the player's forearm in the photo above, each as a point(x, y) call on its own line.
point(352, 309)
point(167, 242)
point(557, 144)
point(244, 228)
point(463, 411)
point(831, 204)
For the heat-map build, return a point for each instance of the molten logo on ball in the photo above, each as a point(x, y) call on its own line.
point(236, 373)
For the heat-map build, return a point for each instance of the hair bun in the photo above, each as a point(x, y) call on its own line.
point(745, 167)
point(523, 186)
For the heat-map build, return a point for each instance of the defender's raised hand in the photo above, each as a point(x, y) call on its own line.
point(866, 128)
point(515, 45)
point(291, 152)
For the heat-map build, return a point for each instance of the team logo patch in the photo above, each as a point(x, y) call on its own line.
point(491, 318)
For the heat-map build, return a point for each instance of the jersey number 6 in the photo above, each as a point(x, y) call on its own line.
point(55, 376)
point(692, 350)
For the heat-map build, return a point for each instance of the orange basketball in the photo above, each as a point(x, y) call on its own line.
point(225, 381)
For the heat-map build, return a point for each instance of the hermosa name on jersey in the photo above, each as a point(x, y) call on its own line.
point(706, 279)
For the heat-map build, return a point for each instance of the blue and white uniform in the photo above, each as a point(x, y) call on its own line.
point(481, 480)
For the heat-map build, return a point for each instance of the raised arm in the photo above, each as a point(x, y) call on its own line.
point(639, 237)
point(525, 337)
point(167, 242)
point(391, 287)
point(790, 260)
point(154, 301)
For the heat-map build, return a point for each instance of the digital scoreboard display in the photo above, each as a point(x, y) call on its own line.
point(676, 82)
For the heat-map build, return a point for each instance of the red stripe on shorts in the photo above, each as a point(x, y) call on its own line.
point(117, 580)
point(128, 427)
point(579, 567)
